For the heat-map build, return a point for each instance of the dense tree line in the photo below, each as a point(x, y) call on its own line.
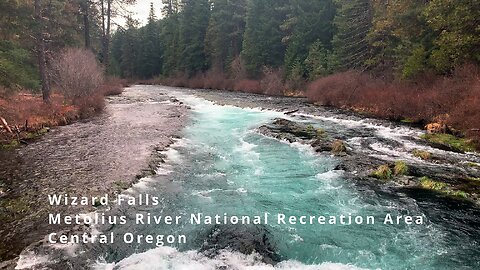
point(34, 32)
point(304, 38)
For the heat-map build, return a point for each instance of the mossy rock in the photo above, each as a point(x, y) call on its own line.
point(401, 168)
point(338, 147)
point(428, 183)
point(383, 172)
point(422, 154)
point(121, 185)
point(473, 165)
point(449, 142)
point(10, 145)
point(320, 133)
point(442, 188)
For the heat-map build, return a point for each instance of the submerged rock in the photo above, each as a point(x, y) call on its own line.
point(246, 239)
point(284, 129)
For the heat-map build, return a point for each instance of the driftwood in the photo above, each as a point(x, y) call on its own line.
point(290, 112)
point(5, 125)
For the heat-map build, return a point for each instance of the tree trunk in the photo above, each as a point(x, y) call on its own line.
point(40, 47)
point(86, 22)
point(104, 34)
point(107, 36)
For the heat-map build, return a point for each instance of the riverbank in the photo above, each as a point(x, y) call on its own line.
point(257, 170)
point(429, 101)
point(26, 116)
point(368, 146)
point(102, 155)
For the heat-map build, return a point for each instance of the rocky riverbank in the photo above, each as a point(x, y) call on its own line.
point(372, 152)
point(103, 155)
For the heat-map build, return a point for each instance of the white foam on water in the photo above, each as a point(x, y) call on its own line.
point(330, 175)
point(241, 190)
point(29, 259)
point(170, 258)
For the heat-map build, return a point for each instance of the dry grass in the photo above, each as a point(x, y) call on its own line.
point(28, 112)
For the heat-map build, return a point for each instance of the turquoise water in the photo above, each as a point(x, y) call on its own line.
point(223, 166)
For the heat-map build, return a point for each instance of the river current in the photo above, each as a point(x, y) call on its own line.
point(221, 165)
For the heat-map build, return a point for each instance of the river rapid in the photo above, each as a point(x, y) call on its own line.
point(221, 165)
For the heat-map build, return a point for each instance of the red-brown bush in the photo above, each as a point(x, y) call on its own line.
point(113, 86)
point(217, 80)
point(455, 98)
point(272, 82)
point(249, 86)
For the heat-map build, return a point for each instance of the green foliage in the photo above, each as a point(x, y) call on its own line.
point(456, 24)
point(225, 32)
point(17, 68)
point(353, 21)
point(262, 41)
point(305, 39)
point(307, 23)
point(400, 168)
point(193, 27)
point(383, 172)
point(451, 141)
point(422, 154)
point(320, 61)
point(415, 63)
point(427, 183)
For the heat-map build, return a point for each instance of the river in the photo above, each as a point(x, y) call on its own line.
point(222, 165)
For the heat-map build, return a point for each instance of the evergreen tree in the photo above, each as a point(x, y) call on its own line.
point(193, 27)
point(262, 43)
point(458, 32)
point(225, 32)
point(169, 37)
point(308, 22)
point(129, 51)
point(353, 21)
point(150, 51)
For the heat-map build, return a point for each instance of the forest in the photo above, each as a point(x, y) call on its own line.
point(409, 60)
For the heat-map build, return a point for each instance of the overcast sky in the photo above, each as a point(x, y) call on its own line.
point(140, 11)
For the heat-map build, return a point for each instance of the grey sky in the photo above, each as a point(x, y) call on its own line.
point(140, 11)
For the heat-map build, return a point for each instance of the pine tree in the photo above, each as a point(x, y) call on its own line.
point(457, 25)
point(129, 59)
point(150, 52)
point(225, 32)
point(353, 21)
point(308, 22)
point(262, 43)
point(193, 27)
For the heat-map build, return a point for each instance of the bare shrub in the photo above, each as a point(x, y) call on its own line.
point(249, 86)
point(197, 81)
point(113, 86)
point(77, 73)
point(90, 105)
point(272, 82)
point(217, 80)
point(238, 70)
point(453, 100)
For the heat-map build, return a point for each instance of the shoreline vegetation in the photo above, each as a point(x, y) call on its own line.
point(430, 103)
point(80, 87)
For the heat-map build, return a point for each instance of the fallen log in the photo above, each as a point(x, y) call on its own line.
point(290, 112)
point(5, 125)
